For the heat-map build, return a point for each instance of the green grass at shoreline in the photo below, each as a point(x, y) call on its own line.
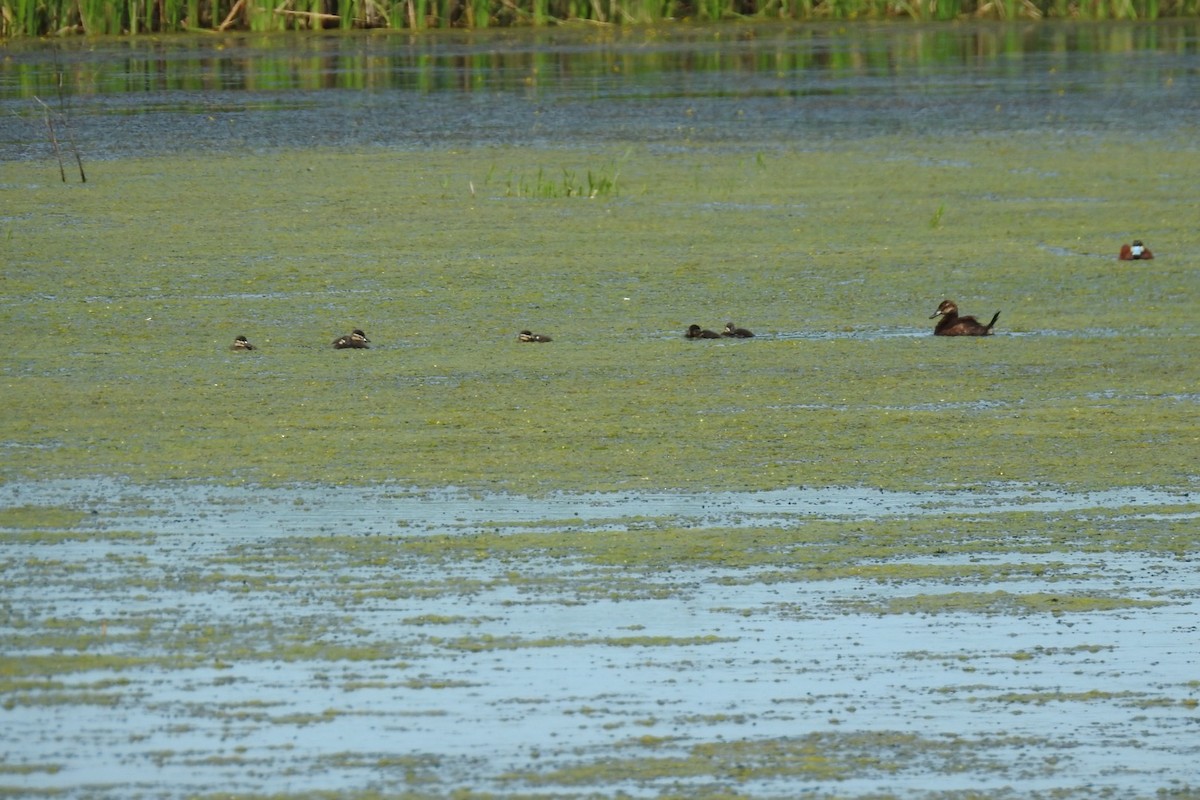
point(131, 305)
point(24, 18)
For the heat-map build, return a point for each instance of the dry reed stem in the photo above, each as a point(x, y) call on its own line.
point(53, 139)
point(233, 12)
point(314, 15)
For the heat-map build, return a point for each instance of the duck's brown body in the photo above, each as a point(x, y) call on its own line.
point(951, 324)
point(1135, 252)
point(355, 340)
point(696, 332)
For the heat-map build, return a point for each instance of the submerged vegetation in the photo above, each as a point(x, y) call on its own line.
point(102, 17)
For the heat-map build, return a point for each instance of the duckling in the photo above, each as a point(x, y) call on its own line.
point(356, 340)
point(696, 332)
point(528, 336)
point(1135, 252)
point(951, 324)
point(241, 343)
point(734, 331)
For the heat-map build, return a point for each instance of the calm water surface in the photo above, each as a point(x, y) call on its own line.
point(316, 652)
point(721, 86)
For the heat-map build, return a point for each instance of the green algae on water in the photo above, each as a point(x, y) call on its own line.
point(830, 256)
point(1001, 602)
point(843, 386)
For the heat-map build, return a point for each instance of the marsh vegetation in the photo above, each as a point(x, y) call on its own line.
point(96, 17)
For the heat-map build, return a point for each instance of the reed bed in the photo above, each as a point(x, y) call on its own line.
point(131, 17)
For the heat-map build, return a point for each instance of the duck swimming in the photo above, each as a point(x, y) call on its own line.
point(1135, 252)
point(696, 332)
point(529, 336)
point(241, 343)
point(356, 340)
point(735, 331)
point(951, 324)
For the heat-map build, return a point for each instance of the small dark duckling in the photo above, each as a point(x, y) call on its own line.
point(736, 332)
point(356, 340)
point(241, 343)
point(951, 324)
point(696, 332)
point(1135, 252)
point(529, 336)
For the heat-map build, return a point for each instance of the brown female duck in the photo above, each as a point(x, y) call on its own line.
point(529, 336)
point(241, 343)
point(696, 332)
point(356, 340)
point(951, 324)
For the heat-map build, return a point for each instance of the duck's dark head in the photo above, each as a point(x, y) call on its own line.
point(948, 308)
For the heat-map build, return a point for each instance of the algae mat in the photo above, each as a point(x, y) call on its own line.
point(175, 641)
point(124, 294)
point(843, 558)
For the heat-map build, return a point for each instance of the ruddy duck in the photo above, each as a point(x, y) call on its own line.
point(528, 336)
point(951, 324)
point(696, 332)
point(733, 330)
point(356, 339)
point(1135, 252)
point(241, 343)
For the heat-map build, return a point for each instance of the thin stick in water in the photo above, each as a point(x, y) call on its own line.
point(65, 113)
point(53, 138)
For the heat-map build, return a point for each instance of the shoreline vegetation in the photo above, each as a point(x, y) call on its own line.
point(37, 18)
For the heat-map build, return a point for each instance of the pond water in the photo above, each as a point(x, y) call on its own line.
point(720, 86)
point(182, 639)
point(294, 642)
